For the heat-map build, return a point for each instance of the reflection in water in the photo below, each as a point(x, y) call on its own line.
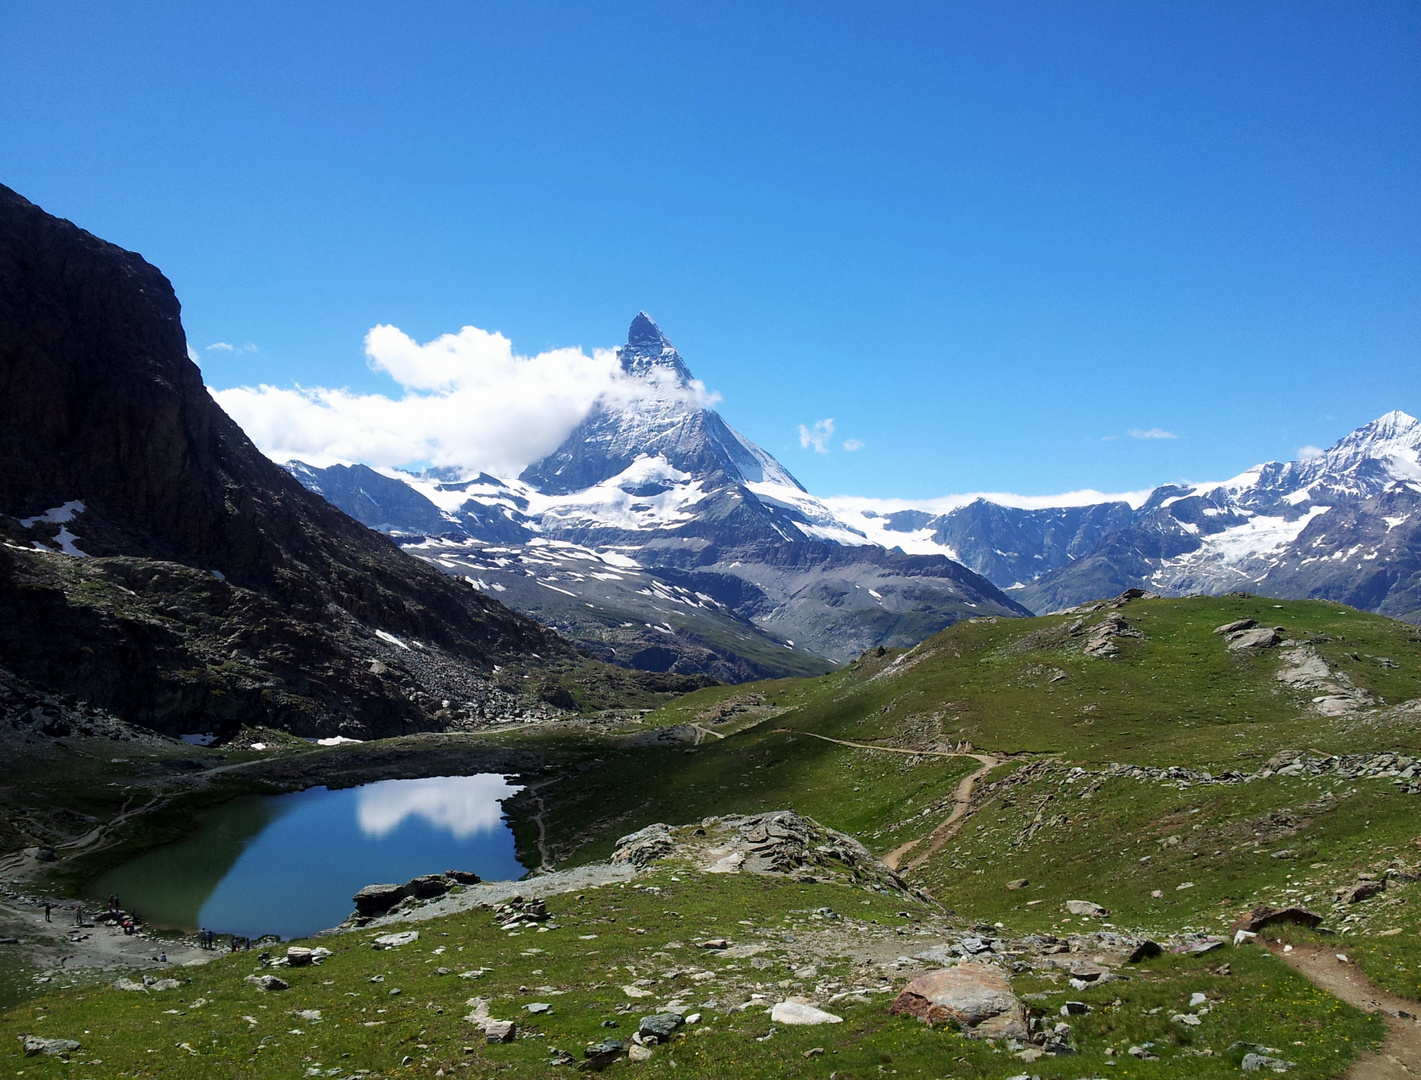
point(460, 805)
point(289, 864)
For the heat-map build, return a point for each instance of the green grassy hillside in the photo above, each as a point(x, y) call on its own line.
point(1152, 770)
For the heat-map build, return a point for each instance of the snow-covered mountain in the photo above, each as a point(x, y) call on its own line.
point(1342, 525)
point(660, 536)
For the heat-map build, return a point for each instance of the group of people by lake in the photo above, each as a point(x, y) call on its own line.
point(115, 915)
point(207, 939)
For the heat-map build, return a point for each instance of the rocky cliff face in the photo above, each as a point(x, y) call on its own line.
point(156, 562)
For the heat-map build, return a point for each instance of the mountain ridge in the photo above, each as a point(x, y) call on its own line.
point(718, 527)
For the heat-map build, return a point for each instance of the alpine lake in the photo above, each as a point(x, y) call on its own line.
point(289, 864)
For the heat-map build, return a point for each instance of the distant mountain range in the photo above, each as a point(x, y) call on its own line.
point(659, 537)
point(1344, 525)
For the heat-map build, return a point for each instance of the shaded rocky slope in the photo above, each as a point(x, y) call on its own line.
point(157, 563)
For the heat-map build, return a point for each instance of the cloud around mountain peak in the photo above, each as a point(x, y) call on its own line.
point(467, 401)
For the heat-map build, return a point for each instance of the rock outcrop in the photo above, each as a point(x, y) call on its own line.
point(781, 842)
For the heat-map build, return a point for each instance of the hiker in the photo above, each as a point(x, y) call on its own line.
point(78, 915)
point(47, 909)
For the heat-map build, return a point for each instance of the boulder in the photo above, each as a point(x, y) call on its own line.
point(645, 845)
point(1362, 890)
point(1262, 637)
point(1019, 883)
point(1145, 950)
point(462, 877)
point(1267, 915)
point(1235, 626)
point(500, 1031)
point(36, 1045)
point(600, 1055)
point(659, 1026)
point(296, 956)
point(427, 886)
point(794, 1012)
point(1085, 907)
point(268, 982)
point(394, 941)
point(975, 997)
point(375, 900)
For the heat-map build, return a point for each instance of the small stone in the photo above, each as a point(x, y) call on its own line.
point(394, 941)
point(715, 943)
point(1256, 1062)
point(637, 1052)
point(1075, 1008)
point(268, 982)
point(1142, 1053)
point(1019, 883)
point(793, 1012)
point(539, 1007)
point(1085, 907)
point(813, 1052)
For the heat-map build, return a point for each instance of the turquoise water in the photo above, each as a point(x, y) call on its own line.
point(289, 864)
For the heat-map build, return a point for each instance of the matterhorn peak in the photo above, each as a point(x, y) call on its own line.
point(648, 351)
point(644, 333)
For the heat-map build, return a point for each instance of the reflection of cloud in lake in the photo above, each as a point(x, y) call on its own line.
point(464, 805)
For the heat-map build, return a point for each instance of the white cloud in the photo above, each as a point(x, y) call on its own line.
point(1151, 433)
point(1310, 453)
point(468, 401)
point(853, 444)
point(817, 436)
point(192, 354)
point(222, 346)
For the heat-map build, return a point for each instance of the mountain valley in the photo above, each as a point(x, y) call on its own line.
point(792, 803)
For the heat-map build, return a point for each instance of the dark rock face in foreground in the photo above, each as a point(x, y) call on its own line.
point(216, 589)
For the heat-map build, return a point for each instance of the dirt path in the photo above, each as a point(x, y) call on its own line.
point(701, 730)
point(950, 825)
point(1400, 1055)
point(961, 800)
point(545, 858)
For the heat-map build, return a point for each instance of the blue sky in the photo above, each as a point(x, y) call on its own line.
point(989, 240)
